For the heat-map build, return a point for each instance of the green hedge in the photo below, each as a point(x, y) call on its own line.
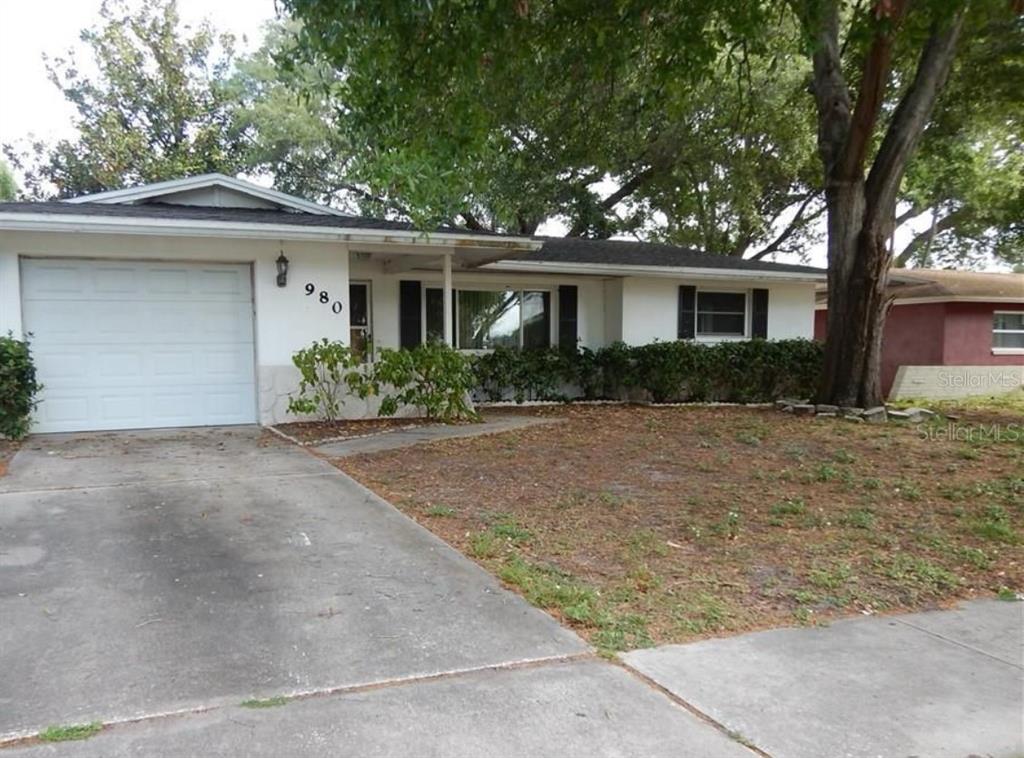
point(664, 372)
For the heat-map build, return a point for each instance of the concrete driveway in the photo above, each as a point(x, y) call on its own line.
point(144, 575)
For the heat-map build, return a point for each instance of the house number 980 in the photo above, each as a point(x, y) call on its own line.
point(323, 297)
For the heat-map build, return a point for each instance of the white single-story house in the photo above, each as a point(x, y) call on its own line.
point(181, 303)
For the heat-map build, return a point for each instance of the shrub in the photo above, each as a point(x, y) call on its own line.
point(432, 376)
point(18, 387)
point(747, 371)
point(328, 369)
point(522, 374)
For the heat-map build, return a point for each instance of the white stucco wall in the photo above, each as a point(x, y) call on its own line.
point(285, 318)
point(638, 310)
point(650, 307)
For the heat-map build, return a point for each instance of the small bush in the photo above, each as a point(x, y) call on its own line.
point(434, 377)
point(18, 387)
point(328, 369)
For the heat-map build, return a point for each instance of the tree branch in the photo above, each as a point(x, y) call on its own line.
point(471, 221)
point(798, 221)
point(910, 118)
point(831, 95)
point(927, 236)
point(627, 189)
point(871, 93)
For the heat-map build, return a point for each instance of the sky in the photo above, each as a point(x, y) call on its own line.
point(29, 103)
point(32, 106)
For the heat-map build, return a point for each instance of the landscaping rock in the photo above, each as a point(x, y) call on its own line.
point(855, 419)
point(876, 415)
point(786, 402)
point(830, 409)
point(917, 415)
point(803, 409)
point(788, 409)
point(899, 415)
point(826, 414)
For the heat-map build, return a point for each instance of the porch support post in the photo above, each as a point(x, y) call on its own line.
point(449, 334)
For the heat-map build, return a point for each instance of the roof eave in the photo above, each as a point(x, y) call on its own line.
point(48, 222)
point(607, 269)
point(173, 186)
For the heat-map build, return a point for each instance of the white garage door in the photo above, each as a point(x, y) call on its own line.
point(132, 344)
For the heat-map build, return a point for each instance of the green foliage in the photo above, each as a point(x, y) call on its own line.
point(18, 387)
point(156, 107)
point(70, 732)
point(269, 702)
point(8, 187)
point(506, 115)
point(433, 377)
point(532, 374)
point(327, 370)
point(750, 371)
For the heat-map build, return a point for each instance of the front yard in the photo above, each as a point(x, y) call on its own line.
point(641, 525)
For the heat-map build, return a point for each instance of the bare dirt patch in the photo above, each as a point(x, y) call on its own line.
point(640, 525)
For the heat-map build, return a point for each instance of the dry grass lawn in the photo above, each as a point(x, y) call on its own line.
point(643, 525)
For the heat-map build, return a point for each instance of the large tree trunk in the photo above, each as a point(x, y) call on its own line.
point(861, 209)
point(858, 261)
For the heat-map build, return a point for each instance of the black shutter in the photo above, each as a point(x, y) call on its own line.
point(410, 316)
point(568, 320)
point(687, 312)
point(435, 315)
point(759, 314)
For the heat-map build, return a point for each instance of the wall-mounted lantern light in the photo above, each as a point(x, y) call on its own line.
point(282, 270)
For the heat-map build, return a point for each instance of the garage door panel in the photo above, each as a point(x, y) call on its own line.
point(125, 351)
point(114, 280)
point(54, 280)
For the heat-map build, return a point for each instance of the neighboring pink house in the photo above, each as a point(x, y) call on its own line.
point(948, 318)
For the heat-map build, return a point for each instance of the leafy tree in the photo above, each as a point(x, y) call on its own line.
point(969, 176)
point(453, 77)
point(156, 109)
point(8, 187)
point(449, 128)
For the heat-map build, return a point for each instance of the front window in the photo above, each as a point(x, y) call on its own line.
point(486, 319)
point(1008, 330)
point(721, 314)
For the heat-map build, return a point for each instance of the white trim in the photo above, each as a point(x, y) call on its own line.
point(1001, 349)
point(52, 222)
point(149, 191)
point(675, 272)
point(945, 299)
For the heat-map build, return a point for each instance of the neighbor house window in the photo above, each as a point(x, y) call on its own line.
point(486, 319)
point(1008, 330)
point(721, 314)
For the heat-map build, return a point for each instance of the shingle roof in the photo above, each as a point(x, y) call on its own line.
point(209, 213)
point(629, 253)
point(914, 284)
point(555, 249)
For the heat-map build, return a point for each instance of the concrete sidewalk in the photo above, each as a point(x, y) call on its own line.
point(943, 683)
point(417, 435)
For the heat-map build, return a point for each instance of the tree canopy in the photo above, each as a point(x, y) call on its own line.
point(156, 109)
point(685, 122)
